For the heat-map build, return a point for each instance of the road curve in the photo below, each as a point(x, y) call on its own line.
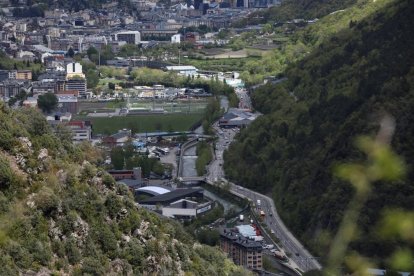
point(289, 243)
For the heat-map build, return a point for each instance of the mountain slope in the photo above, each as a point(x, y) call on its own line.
point(295, 9)
point(311, 120)
point(60, 214)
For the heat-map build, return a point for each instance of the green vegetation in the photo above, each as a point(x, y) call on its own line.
point(204, 157)
point(7, 63)
point(59, 213)
point(340, 89)
point(209, 236)
point(222, 64)
point(195, 226)
point(294, 9)
point(296, 42)
point(211, 114)
point(144, 123)
point(185, 106)
point(125, 157)
point(147, 76)
point(47, 102)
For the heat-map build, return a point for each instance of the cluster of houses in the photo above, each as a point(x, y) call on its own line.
point(37, 38)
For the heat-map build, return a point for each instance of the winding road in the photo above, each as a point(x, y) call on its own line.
point(299, 256)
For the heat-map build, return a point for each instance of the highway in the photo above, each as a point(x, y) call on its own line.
point(299, 256)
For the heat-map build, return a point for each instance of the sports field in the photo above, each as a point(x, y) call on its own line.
point(172, 107)
point(144, 123)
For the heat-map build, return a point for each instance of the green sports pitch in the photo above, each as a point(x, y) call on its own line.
point(144, 123)
point(170, 107)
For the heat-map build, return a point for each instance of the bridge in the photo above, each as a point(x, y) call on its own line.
point(192, 179)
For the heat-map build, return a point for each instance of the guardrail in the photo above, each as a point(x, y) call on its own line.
point(291, 271)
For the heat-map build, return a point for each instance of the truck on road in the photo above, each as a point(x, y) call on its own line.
point(281, 256)
point(241, 218)
point(258, 203)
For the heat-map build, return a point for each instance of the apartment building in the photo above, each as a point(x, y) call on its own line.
point(81, 130)
point(241, 250)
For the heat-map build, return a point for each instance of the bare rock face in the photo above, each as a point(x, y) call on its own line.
point(43, 158)
point(54, 231)
point(21, 161)
point(81, 231)
point(26, 145)
point(141, 231)
point(42, 272)
point(43, 154)
point(126, 238)
point(30, 201)
point(151, 266)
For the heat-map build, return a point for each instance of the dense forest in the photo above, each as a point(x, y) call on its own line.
point(61, 214)
point(311, 120)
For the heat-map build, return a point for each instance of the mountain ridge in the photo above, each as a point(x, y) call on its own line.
point(334, 94)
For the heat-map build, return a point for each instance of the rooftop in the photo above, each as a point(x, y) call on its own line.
point(173, 196)
point(154, 190)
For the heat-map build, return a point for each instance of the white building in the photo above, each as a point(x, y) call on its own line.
point(176, 38)
point(73, 68)
point(80, 131)
point(183, 70)
point(75, 79)
point(130, 37)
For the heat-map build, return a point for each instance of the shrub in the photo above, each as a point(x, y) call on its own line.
point(92, 266)
point(46, 201)
point(6, 174)
point(72, 251)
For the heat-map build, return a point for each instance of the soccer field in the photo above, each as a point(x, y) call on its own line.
point(144, 123)
point(171, 107)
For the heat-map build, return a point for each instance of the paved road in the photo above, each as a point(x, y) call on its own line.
point(299, 256)
point(215, 171)
point(244, 99)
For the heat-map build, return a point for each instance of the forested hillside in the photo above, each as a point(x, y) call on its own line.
point(294, 9)
point(310, 123)
point(61, 215)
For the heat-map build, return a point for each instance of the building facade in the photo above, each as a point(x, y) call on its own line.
point(243, 251)
point(81, 130)
point(130, 37)
point(75, 79)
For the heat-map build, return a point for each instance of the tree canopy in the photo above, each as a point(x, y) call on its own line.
point(47, 102)
point(311, 119)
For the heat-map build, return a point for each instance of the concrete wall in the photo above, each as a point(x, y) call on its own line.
point(170, 212)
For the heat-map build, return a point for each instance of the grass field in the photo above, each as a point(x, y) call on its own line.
point(173, 107)
point(144, 123)
point(104, 82)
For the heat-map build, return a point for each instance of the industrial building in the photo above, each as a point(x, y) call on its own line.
point(131, 178)
point(180, 203)
point(237, 118)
